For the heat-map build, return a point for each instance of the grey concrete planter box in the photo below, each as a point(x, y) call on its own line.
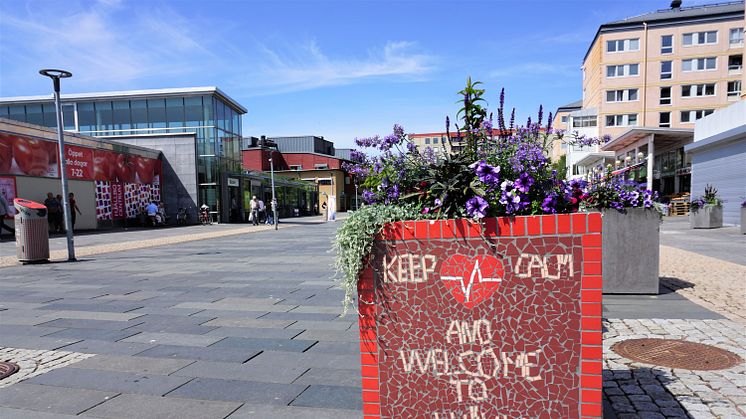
point(743, 220)
point(631, 251)
point(709, 216)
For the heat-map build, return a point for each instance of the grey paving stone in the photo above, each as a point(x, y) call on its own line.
point(334, 361)
point(209, 314)
point(94, 334)
point(180, 339)
point(284, 412)
point(245, 372)
point(35, 342)
point(290, 345)
point(10, 413)
point(145, 407)
point(92, 315)
point(200, 353)
point(91, 324)
point(351, 335)
point(291, 315)
point(257, 323)
point(121, 382)
point(335, 397)
point(330, 376)
point(335, 348)
point(57, 400)
point(251, 332)
point(134, 364)
point(24, 330)
point(191, 329)
point(99, 307)
point(241, 391)
point(106, 347)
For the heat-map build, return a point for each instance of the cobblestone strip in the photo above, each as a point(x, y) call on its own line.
point(140, 244)
point(34, 362)
point(712, 283)
point(646, 391)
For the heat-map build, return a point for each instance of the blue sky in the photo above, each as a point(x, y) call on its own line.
point(341, 69)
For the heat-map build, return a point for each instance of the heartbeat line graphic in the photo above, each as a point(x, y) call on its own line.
point(475, 273)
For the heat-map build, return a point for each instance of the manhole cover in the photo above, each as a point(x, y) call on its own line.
point(677, 354)
point(7, 368)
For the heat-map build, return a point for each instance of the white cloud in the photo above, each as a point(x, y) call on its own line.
point(307, 67)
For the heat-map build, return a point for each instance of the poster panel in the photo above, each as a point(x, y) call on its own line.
point(8, 189)
point(117, 200)
point(27, 156)
point(78, 162)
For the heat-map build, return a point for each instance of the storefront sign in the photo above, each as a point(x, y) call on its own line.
point(455, 326)
point(117, 201)
point(232, 182)
point(79, 162)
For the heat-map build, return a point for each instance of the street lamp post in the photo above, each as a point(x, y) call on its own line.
point(272, 177)
point(56, 75)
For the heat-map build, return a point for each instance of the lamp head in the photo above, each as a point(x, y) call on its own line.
point(55, 74)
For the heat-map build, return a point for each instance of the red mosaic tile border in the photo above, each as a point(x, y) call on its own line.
point(586, 225)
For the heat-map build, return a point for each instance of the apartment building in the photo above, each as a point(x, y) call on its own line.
point(657, 73)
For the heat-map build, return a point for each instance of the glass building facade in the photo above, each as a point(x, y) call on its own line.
point(213, 117)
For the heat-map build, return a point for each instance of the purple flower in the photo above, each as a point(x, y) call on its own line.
point(548, 205)
point(524, 182)
point(487, 125)
point(486, 173)
point(438, 202)
point(369, 197)
point(411, 147)
point(476, 207)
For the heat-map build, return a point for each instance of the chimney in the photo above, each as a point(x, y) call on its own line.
point(676, 4)
point(262, 140)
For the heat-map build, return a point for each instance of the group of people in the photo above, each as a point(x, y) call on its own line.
point(56, 212)
point(258, 212)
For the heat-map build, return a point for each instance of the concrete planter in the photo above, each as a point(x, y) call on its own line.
point(743, 220)
point(631, 251)
point(709, 216)
point(499, 320)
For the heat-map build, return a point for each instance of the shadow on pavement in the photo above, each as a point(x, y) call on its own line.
point(638, 391)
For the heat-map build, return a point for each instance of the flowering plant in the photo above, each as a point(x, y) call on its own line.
point(709, 198)
point(489, 171)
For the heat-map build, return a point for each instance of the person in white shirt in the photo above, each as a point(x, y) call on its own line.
point(254, 206)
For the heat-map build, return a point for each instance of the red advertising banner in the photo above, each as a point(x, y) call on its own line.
point(456, 325)
point(117, 201)
point(79, 162)
point(27, 156)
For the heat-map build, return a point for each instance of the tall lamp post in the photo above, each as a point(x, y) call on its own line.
point(56, 75)
point(272, 177)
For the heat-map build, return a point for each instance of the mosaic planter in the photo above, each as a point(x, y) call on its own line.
point(709, 216)
point(631, 251)
point(499, 321)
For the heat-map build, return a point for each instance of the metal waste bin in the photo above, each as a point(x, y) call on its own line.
point(32, 231)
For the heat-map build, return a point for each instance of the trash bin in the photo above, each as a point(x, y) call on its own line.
point(32, 231)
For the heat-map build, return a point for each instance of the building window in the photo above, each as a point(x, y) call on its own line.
point(664, 119)
point(700, 38)
point(699, 64)
point(564, 119)
point(735, 63)
point(623, 70)
point(666, 44)
point(625, 95)
point(736, 37)
point(584, 121)
point(691, 116)
point(427, 140)
point(666, 68)
point(623, 45)
point(734, 88)
point(621, 120)
point(320, 166)
point(697, 90)
point(296, 167)
point(665, 95)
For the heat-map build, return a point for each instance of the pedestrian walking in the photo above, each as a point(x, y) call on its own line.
point(53, 210)
point(254, 207)
point(262, 211)
point(60, 215)
point(73, 208)
point(4, 211)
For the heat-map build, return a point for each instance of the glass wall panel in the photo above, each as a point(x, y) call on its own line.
point(156, 113)
point(139, 112)
point(122, 118)
point(193, 111)
point(17, 113)
point(34, 114)
point(175, 112)
point(4, 111)
point(86, 116)
point(50, 115)
point(68, 117)
point(104, 116)
point(220, 114)
point(207, 107)
point(237, 124)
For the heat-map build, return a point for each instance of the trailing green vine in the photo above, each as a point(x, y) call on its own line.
point(353, 241)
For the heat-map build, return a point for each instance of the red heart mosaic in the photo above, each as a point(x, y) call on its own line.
point(471, 281)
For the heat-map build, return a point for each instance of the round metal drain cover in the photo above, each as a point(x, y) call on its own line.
point(677, 354)
point(7, 368)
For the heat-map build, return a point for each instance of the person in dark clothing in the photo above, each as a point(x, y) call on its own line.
point(53, 210)
point(73, 208)
point(4, 211)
